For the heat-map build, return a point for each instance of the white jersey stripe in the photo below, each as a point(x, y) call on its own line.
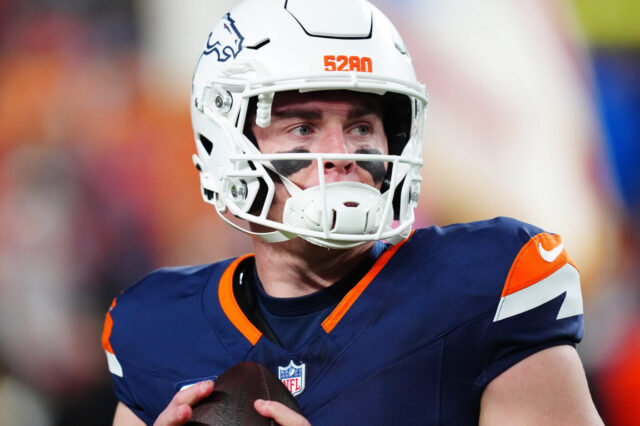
point(564, 280)
point(114, 364)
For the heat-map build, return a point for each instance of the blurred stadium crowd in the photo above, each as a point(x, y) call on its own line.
point(535, 113)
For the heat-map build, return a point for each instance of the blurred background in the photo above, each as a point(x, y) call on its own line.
point(534, 113)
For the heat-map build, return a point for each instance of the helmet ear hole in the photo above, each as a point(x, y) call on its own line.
point(397, 196)
point(249, 120)
point(396, 119)
point(206, 144)
point(386, 182)
point(261, 196)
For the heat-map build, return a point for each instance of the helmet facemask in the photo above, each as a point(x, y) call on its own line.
point(241, 182)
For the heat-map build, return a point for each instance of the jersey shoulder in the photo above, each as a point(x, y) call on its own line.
point(152, 325)
point(510, 288)
point(478, 249)
point(501, 261)
point(500, 235)
point(145, 313)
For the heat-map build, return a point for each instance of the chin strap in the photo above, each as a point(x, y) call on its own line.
point(399, 237)
point(270, 237)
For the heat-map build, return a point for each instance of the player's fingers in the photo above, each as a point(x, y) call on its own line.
point(194, 393)
point(179, 409)
point(282, 414)
point(174, 415)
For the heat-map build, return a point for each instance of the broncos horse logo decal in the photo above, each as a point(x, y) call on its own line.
point(227, 40)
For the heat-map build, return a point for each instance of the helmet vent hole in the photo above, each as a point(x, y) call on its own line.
point(400, 48)
point(259, 44)
point(207, 144)
point(333, 220)
point(351, 204)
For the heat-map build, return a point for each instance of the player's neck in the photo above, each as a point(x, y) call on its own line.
point(297, 268)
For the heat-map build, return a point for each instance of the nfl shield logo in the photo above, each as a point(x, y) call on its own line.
point(293, 377)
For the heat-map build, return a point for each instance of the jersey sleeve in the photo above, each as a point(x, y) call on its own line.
point(149, 329)
point(540, 306)
point(120, 386)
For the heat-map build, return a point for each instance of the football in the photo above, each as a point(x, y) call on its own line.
point(235, 390)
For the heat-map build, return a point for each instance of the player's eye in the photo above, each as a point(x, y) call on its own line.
point(362, 130)
point(302, 130)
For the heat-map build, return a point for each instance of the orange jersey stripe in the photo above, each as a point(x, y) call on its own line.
point(542, 255)
point(349, 299)
point(108, 326)
point(230, 305)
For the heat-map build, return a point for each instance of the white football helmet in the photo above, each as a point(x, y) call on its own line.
point(263, 47)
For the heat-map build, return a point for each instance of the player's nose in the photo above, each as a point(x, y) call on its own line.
point(335, 143)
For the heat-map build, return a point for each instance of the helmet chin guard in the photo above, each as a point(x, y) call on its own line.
point(263, 47)
point(348, 208)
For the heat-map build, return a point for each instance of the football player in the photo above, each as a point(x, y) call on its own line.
point(308, 123)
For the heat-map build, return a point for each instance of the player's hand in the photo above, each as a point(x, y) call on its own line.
point(179, 410)
point(279, 412)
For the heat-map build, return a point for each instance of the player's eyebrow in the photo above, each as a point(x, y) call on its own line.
point(307, 114)
point(361, 111)
point(316, 114)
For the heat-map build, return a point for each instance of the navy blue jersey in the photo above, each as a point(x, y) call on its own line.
point(415, 341)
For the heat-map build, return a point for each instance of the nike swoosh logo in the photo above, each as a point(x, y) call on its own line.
point(550, 255)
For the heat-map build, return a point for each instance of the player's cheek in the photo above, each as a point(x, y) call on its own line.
point(289, 168)
point(373, 172)
point(306, 177)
